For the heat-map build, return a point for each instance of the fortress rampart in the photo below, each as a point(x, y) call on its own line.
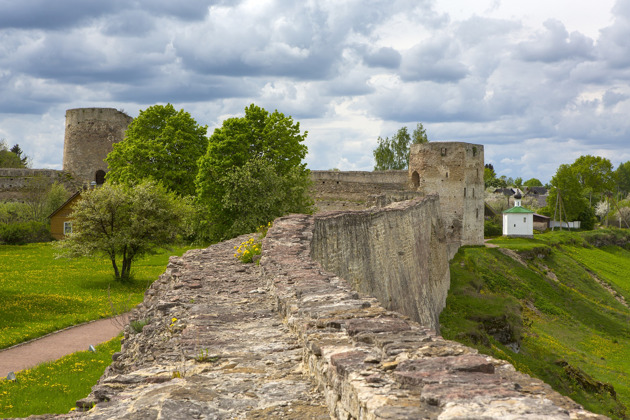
point(397, 254)
point(357, 190)
point(290, 339)
point(14, 183)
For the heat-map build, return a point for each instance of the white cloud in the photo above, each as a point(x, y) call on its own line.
point(538, 83)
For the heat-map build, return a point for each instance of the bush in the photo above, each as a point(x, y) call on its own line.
point(24, 232)
point(492, 228)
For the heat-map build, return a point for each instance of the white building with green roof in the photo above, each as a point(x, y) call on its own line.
point(518, 221)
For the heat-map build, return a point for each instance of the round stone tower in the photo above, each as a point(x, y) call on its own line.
point(90, 135)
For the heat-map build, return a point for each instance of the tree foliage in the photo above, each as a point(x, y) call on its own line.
point(394, 153)
point(622, 177)
point(161, 144)
point(566, 185)
point(594, 174)
point(125, 223)
point(533, 182)
point(252, 173)
point(19, 152)
point(41, 198)
point(9, 159)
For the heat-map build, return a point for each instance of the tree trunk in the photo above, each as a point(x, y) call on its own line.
point(126, 268)
point(116, 272)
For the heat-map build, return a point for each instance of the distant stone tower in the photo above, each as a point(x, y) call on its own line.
point(90, 135)
point(454, 171)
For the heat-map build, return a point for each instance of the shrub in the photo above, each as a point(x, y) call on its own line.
point(24, 232)
point(492, 228)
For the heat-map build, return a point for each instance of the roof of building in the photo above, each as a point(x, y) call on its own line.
point(66, 203)
point(518, 209)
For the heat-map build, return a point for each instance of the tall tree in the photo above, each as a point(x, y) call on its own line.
point(124, 223)
point(566, 190)
point(622, 177)
point(250, 162)
point(394, 153)
point(161, 144)
point(594, 174)
point(18, 151)
point(419, 135)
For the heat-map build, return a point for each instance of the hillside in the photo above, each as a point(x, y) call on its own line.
point(555, 307)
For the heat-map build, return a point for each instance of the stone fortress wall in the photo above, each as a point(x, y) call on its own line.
point(397, 254)
point(290, 339)
point(14, 183)
point(454, 171)
point(89, 136)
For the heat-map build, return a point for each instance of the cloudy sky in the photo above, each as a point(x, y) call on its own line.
point(537, 82)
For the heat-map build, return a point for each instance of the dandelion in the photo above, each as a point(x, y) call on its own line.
point(173, 320)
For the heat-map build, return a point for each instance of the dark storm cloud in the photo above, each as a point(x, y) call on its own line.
point(184, 89)
point(61, 14)
point(45, 14)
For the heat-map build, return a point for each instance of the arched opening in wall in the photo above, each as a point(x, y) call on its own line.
point(415, 179)
point(99, 177)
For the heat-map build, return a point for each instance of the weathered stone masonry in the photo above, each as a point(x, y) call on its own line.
point(89, 137)
point(397, 254)
point(288, 339)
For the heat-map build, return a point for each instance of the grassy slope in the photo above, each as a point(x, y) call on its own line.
point(54, 387)
point(572, 332)
point(40, 294)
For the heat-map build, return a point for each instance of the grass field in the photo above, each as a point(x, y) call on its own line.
point(40, 293)
point(53, 388)
point(570, 331)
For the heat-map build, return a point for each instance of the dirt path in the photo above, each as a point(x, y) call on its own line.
point(56, 345)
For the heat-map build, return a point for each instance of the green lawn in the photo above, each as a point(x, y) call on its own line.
point(40, 293)
point(53, 388)
point(554, 308)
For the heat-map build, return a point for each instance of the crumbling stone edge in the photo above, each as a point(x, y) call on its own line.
point(371, 363)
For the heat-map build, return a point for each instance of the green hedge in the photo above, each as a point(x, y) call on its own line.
point(24, 232)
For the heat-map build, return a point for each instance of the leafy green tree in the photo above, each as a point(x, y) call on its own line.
point(594, 174)
point(533, 182)
point(394, 153)
point(622, 178)
point(18, 151)
point(41, 197)
point(250, 162)
point(125, 223)
point(8, 159)
point(566, 185)
point(518, 182)
point(419, 135)
point(161, 144)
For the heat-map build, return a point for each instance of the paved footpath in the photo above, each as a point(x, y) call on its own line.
point(58, 344)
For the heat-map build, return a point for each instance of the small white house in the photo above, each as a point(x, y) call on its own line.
point(518, 221)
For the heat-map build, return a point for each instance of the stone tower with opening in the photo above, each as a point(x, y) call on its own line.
point(90, 135)
point(454, 171)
